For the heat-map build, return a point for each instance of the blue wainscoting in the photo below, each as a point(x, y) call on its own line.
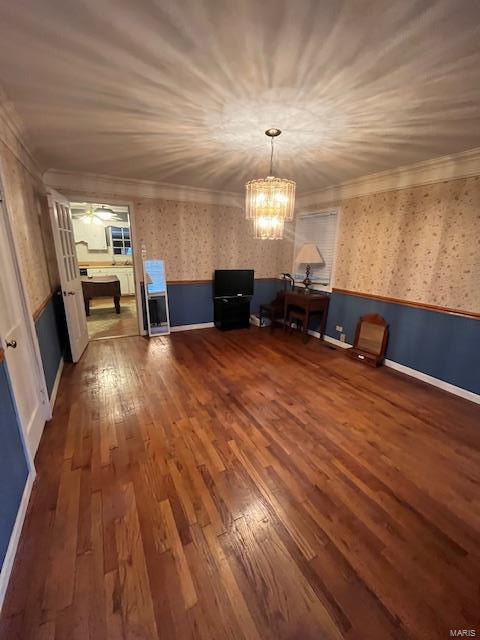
point(265, 291)
point(51, 339)
point(13, 464)
point(441, 345)
point(192, 303)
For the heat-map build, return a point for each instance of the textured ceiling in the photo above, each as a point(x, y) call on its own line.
point(180, 91)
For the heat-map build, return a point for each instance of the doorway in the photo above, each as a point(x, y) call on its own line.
point(104, 251)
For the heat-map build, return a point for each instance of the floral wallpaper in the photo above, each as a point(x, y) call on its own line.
point(420, 244)
point(25, 196)
point(194, 239)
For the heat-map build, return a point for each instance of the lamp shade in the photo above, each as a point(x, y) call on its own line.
point(309, 254)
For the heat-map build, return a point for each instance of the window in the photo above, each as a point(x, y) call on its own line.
point(121, 241)
point(321, 230)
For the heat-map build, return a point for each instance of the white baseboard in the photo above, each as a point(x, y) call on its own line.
point(436, 382)
point(15, 537)
point(189, 327)
point(414, 373)
point(56, 384)
point(338, 343)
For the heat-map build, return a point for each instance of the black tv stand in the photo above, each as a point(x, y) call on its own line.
point(232, 312)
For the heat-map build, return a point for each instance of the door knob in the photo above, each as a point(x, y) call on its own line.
point(11, 343)
point(71, 293)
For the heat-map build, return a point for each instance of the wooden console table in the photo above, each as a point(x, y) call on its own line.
point(311, 304)
point(101, 287)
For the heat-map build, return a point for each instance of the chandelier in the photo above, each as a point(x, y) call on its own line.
point(270, 201)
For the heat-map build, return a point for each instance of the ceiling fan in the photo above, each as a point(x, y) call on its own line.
point(98, 214)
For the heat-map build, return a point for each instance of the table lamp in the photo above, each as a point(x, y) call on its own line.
point(308, 255)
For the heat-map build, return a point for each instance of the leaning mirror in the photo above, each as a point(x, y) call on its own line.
point(370, 340)
point(156, 297)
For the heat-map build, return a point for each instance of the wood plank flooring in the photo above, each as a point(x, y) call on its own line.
point(104, 322)
point(242, 485)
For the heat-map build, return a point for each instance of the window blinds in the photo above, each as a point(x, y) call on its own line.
point(321, 230)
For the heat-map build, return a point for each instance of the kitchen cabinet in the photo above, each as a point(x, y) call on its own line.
point(93, 235)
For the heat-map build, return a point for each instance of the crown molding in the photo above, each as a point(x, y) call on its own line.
point(451, 167)
point(70, 182)
point(14, 137)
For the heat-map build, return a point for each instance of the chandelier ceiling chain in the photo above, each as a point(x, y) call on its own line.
point(270, 201)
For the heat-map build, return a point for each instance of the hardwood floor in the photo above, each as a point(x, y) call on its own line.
point(103, 322)
point(243, 485)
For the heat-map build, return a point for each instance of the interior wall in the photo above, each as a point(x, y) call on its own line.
point(13, 460)
point(25, 195)
point(420, 244)
point(13, 464)
point(417, 245)
point(441, 345)
point(195, 239)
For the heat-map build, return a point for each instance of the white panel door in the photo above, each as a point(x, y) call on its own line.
point(69, 273)
point(17, 340)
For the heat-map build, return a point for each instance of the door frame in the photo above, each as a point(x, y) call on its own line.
point(9, 245)
point(136, 250)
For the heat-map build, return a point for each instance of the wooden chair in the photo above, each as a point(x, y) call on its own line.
point(299, 317)
point(273, 310)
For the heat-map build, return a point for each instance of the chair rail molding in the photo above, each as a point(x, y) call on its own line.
point(69, 181)
point(450, 167)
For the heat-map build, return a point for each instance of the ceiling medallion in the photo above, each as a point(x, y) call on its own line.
point(270, 201)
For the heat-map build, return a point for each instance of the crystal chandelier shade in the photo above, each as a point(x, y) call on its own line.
point(270, 197)
point(268, 228)
point(270, 201)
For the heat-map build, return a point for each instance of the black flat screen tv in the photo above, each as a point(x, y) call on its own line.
point(233, 282)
